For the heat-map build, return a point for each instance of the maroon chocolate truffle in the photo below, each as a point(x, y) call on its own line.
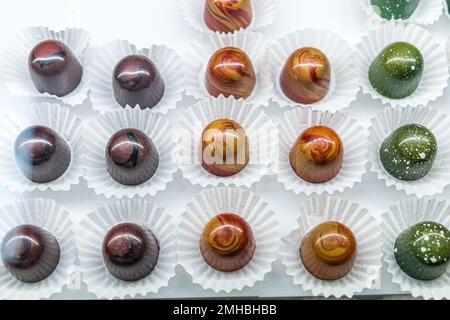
point(131, 157)
point(137, 81)
point(54, 68)
point(42, 154)
point(130, 252)
point(30, 253)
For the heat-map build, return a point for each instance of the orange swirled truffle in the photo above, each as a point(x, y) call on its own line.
point(228, 243)
point(228, 15)
point(318, 155)
point(306, 76)
point(329, 251)
point(224, 148)
point(230, 72)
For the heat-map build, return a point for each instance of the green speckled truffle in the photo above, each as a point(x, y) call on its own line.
point(423, 251)
point(448, 6)
point(408, 154)
point(397, 71)
point(395, 9)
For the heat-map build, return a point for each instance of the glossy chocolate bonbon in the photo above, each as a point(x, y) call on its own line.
point(395, 9)
point(228, 15)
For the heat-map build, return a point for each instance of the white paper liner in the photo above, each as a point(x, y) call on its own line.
point(435, 74)
point(259, 216)
point(200, 52)
point(389, 120)
point(320, 209)
point(258, 127)
point(427, 12)
point(90, 236)
point(104, 59)
point(55, 117)
point(354, 138)
point(399, 218)
point(264, 13)
point(100, 131)
point(15, 62)
point(53, 218)
point(344, 84)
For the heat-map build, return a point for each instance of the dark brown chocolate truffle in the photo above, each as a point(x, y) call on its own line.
point(131, 157)
point(137, 81)
point(130, 252)
point(30, 253)
point(42, 154)
point(54, 68)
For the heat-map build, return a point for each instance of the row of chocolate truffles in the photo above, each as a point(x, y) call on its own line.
point(136, 248)
point(401, 64)
point(129, 149)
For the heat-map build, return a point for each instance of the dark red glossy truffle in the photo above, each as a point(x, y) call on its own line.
point(54, 68)
point(137, 81)
point(30, 253)
point(130, 252)
point(42, 154)
point(131, 157)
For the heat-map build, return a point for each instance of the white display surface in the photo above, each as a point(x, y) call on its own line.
point(160, 22)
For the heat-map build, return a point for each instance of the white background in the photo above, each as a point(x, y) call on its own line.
point(160, 22)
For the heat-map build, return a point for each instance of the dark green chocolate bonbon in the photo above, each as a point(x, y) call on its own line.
point(395, 9)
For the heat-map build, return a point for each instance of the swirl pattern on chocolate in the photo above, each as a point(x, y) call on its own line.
point(228, 15)
point(318, 155)
point(306, 76)
point(54, 68)
point(224, 148)
point(230, 72)
point(137, 81)
point(329, 251)
point(228, 243)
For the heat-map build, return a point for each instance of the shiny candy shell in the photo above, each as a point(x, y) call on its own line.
point(395, 9)
point(318, 155)
point(306, 76)
point(329, 251)
point(230, 72)
point(228, 15)
point(228, 243)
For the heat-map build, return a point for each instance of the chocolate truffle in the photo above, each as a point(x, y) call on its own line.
point(397, 71)
point(306, 76)
point(130, 252)
point(224, 148)
point(329, 251)
point(131, 157)
point(54, 68)
point(30, 253)
point(42, 155)
point(230, 72)
point(448, 6)
point(228, 15)
point(318, 155)
point(409, 152)
point(423, 251)
point(228, 243)
point(137, 81)
point(395, 9)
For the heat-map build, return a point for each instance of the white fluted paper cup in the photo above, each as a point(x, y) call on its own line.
point(15, 63)
point(354, 138)
point(100, 131)
point(258, 127)
point(435, 74)
point(320, 209)
point(62, 121)
point(104, 59)
point(264, 12)
point(389, 120)
point(258, 215)
point(426, 13)
point(200, 52)
point(94, 228)
point(399, 218)
point(344, 84)
point(54, 219)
